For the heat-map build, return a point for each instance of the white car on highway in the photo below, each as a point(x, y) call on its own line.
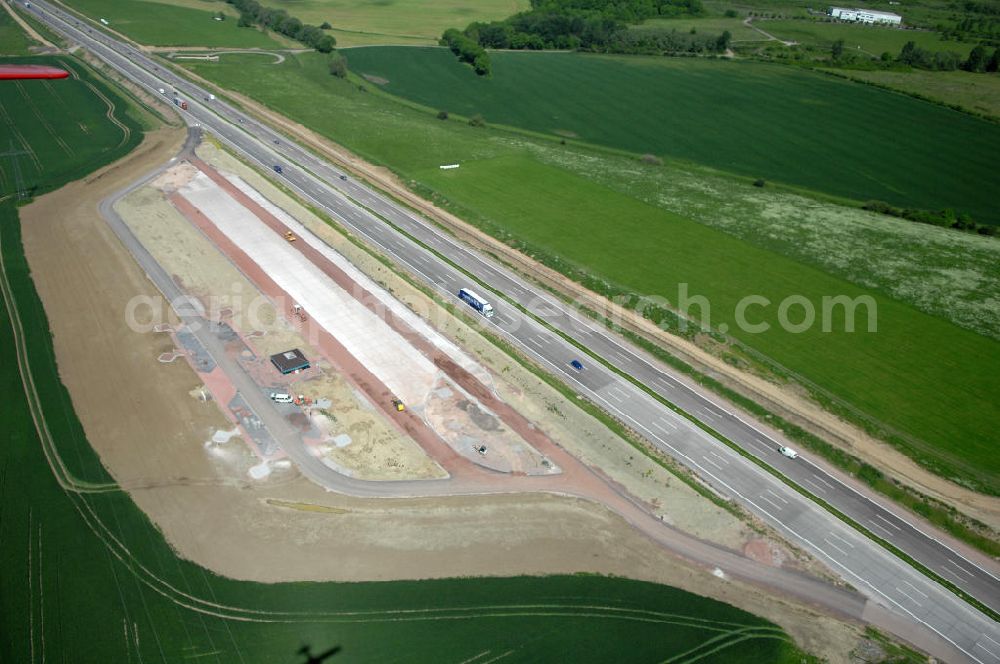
point(788, 452)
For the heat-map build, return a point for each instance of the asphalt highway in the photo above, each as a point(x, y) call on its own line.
point(434, 256)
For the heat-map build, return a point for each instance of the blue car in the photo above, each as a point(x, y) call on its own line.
point(576, 364)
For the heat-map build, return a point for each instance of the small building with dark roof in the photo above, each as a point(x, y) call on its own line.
point(289, 361)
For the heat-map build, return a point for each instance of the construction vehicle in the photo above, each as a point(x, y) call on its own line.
point(290, 236)
point(398, 405)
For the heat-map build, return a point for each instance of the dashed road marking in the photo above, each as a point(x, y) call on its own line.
point(710, 462)
point(891, 524)
point(836, 547)
point(776, 505)
point(771, 493)
point(664, 426)
point(719, 457)
point(815, 486)
point(908, 596)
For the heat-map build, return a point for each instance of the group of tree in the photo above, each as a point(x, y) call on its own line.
point(252, 13)
point(945, 218)
point(467, 50)
point(587, 25)
point(979, 59)
point(625, 11)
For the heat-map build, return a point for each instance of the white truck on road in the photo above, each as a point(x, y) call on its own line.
point(476, 302)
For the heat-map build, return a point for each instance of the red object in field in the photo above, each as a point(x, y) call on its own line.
point(12, 72)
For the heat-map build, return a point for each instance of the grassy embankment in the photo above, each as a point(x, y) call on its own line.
point(920, 374)
point(88, 577)
point(177, 23)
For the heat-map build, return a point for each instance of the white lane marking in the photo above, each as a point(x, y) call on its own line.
point(709, 461)
point(716, 455)
point(621, 356)
point(663, 425)
point(908, 596)
point(946, 570)
point(665, 381)
point(836, 547)
point(535, 342)
point(881, 527)
point(841, 539)
point(617, 398)
point(819, 478)
point(891, 524)
point(776, 505)
point(759, 445)
point(987, 649)
point(709, 414)
point(917, 590)
point(768, 491)
point(815, 486)
point(959, 567)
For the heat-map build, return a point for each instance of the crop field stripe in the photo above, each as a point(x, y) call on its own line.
point(21, 142)
point(723, 641)
point(42, 120)
point(724, 646)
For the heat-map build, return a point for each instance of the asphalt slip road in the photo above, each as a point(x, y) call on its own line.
point(861, 562)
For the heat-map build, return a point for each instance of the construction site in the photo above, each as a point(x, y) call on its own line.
point(372, 391)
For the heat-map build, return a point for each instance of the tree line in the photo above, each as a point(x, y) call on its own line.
point(979, 59)
point(467, 50)
point(945, 218)
point(587, 25)
point(252, 13)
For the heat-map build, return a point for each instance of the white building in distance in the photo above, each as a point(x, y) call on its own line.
point(865, 16)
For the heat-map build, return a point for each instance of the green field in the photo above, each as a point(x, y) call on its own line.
point(869, 39)
point(357, 22)
point(759, 120)
point(708, 25)
point(919, 374)
point(69, 117)
point(13, 40)
point(974, 92)
point(87, 578)
point(175, 23)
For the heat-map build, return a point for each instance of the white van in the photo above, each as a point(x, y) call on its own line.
point(281, 397)
point(788, 452)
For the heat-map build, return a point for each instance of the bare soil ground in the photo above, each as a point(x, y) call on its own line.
point(789, 401)
point(85, 279)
